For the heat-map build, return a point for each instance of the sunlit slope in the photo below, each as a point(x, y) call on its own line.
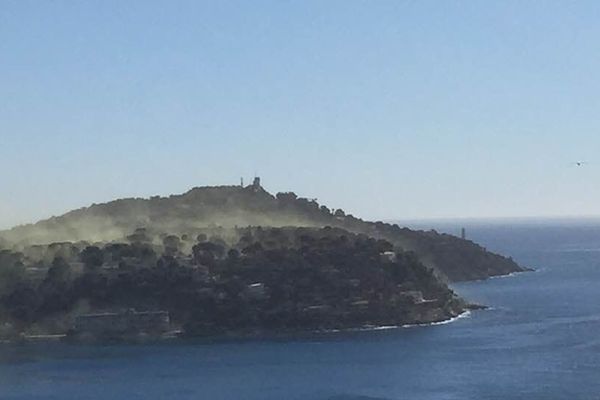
point(231, 206)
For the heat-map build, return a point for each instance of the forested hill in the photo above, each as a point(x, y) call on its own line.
point(236, 206)
point(250, 280)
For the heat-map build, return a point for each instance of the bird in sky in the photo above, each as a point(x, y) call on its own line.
point(580, 163)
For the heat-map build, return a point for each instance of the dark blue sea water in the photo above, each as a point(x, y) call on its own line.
point(539, 340)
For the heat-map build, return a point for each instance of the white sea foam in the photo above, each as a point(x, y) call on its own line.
point(362, 329)
point(377, 328)
point(509, 275)
point(465, 314)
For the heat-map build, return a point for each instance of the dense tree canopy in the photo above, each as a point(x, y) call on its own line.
point(245, 279)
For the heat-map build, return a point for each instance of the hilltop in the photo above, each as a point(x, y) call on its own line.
point(232, 260)
point(228, 207)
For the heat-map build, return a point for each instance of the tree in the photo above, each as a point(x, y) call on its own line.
point(233, 254)
point(171, 244)
point(287, 197)
point(92, 257)
point(205, 253)
point(139, 236)
point(12, 270)
point(22, 303)
point(60, 271)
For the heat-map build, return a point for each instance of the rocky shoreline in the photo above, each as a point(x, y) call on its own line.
point(236, 335)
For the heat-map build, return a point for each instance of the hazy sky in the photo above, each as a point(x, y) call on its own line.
point(399, 109)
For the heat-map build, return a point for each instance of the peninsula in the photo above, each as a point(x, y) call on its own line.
point(232, 260)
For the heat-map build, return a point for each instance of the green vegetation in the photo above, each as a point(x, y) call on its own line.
point(232, 259)
point(453, 259)
point(244, 280)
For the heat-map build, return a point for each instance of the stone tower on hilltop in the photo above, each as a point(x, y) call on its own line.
point(256, 183)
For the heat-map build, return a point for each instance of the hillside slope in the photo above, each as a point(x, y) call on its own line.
point(257, 281)
point(452, 258)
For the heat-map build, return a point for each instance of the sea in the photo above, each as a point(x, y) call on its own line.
point(539, 339)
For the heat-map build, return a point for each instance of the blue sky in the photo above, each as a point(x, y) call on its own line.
point(399, 109)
